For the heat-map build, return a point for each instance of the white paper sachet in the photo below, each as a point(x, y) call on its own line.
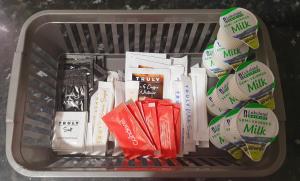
point(176, 92)
point(112, 77)
point(157, 55)
point(131, 90)
point(69, 132)
point(187, 115)
point(154, 83)
point(119, 93)
point(101, 103)
point(145, 60)
point(119, 98)
point(177, 98)
point(196, 66)
point(176, 72)
point(200, 129)
point(183, 61)
point(121, 75)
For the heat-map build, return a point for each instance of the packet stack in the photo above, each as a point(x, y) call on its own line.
point(146, 128)
point(160, 77)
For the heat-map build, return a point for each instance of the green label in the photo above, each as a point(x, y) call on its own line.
point(231, 52)
point(254, 129)
point(256, 84)
point(240, 27)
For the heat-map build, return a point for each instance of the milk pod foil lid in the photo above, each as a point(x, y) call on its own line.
point(254, 80)
point(218, 140)
point(258, 126)
point(241, 24)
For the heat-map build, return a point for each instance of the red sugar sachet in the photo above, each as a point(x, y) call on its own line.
point(152, 123)
point(137, 115)
point(128, 132)
point(167, 130)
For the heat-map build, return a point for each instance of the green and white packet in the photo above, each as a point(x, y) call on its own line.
point(218, 140)
point(257, 126)
point(241, 24)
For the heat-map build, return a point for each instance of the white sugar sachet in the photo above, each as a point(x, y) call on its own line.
point(183, 61)
point(200, 128)
point(187, 114)
point(101, 103)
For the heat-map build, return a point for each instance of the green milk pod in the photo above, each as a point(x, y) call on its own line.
point(240, 24)
point(218, 140)
point(257, 126)
point(253, 80)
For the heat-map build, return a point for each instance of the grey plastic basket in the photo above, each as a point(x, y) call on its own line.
point(48, 35)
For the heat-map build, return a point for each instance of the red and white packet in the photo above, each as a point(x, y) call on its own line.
point(149, 109)
point(135, 111)
point(128, 132)
point(165, 116)
point(177, 125)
